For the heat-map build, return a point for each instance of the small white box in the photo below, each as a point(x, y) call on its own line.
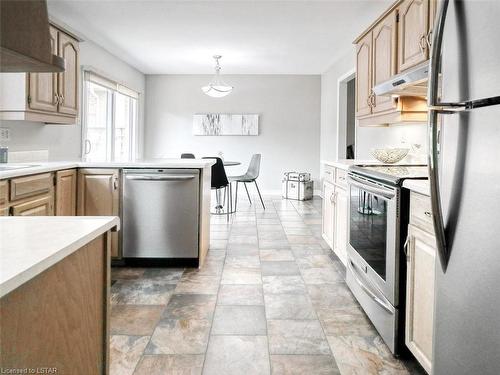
point(298, 190)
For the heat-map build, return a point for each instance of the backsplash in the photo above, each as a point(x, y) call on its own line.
point(28, 156)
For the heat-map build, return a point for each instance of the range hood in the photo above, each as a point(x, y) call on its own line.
point(25, 39)
point(410, 83)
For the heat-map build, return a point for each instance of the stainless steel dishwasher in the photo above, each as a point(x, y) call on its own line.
point(160, 213)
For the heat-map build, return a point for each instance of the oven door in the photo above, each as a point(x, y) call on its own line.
point(374, 234)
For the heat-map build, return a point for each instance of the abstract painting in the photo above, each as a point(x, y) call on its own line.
point(225, 124)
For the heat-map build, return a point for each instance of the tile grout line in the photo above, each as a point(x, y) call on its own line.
point(217, 294)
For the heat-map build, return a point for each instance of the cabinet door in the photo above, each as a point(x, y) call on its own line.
point(68, 80)
point(384, 59)
point(363, 75)
point(43, 86)
point(413, 28)
point(328, 213)
point(421, 261)
point(65, 202)
point(341, 224)
point(98, 195)
point(37, 207)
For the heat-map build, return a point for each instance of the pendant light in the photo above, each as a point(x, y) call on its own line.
point(217, 88)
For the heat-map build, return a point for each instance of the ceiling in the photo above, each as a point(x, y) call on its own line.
point(254, 37)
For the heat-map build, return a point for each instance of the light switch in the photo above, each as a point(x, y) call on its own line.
point(4, 134)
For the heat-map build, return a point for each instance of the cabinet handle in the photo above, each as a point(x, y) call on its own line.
point(428, 39)
point(62, 99)
point(369, 101)
point(405, 246)
point(332, 198)
point(56, 98)
point(427, 213)
point(373, 99)
point(115, 183)
point(423, 43)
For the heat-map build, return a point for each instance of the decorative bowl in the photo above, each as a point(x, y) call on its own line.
point(389, 155)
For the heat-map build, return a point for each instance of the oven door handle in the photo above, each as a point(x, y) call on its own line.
point(368, 291)
point(371, 189)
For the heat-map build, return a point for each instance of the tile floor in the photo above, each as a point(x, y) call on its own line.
point(269, 299)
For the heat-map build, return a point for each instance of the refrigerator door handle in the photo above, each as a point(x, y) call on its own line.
point(432, 102)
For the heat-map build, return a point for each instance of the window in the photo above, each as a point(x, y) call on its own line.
point(109, 118)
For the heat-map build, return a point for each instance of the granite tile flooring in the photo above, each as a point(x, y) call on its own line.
point(271, 298)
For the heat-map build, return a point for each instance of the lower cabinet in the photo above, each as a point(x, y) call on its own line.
point(328, 222)
point(60, 318)
point(341, 206)
point(41, 206)
point(420, 286)
point(65, 193)
point(334, 222)
point(98, 195)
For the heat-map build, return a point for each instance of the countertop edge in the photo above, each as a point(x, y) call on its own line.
point(46, 167)
point(418, 186)
point(24, 276)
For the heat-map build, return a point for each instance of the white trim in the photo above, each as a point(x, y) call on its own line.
point(341, 116)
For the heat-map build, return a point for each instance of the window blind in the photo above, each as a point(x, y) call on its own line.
point(98, 79)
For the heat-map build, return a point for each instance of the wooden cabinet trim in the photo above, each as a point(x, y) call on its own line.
point(24, 187)
point(4, 193)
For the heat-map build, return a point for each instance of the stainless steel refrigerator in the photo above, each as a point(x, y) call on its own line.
point(465, 186)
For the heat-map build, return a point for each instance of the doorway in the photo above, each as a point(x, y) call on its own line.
point(346, 129)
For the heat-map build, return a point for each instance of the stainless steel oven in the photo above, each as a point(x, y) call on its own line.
point(373, 252)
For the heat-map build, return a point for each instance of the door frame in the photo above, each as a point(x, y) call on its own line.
point(342, 115)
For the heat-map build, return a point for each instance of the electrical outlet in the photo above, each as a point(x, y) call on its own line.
point(4, 134)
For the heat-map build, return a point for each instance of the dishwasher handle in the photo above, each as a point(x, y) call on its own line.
point(167, 177)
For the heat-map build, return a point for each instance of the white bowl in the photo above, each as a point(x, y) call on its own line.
point(389, 155)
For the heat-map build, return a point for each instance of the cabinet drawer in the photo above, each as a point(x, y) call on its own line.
point(4, 193)
point(341, 177)
point(29, 186)
point(421, 212)
point(329, 173)
point(37, 207)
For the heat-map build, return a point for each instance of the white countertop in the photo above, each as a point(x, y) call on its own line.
point(42, 167)
point(418, 186)
point(30, 245)
point(346, 163)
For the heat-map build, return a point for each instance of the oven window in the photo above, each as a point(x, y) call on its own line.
point(368, 228)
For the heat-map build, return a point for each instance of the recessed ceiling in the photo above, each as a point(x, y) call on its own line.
point(254, 37)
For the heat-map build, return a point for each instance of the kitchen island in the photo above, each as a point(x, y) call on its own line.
point(76, 188)
point(54, 293)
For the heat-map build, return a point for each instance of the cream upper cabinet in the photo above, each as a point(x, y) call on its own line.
point(413, 28)
point(364, 76)
point(341, 207)
point(68, 80)
point(43, 86)
point(384, 59)
point(328, 221)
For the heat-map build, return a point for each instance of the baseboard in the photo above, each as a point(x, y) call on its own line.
point(317, 193)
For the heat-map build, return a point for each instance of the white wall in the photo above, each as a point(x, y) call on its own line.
point(329, 93)
point(289, 123)
point(64, 141)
